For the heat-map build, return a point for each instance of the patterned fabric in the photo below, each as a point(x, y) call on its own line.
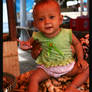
point(56, 51)
point(49, 85)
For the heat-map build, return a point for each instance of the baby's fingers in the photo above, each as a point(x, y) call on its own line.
point(20, 41)
point(24, 45)
point(23, 42)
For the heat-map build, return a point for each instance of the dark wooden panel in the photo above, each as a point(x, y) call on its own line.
point(11, 19)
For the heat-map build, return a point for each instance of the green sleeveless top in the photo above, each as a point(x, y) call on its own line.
point(56, 51)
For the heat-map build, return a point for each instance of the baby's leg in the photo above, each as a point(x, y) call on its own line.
point(81, 74)
point(38, 76)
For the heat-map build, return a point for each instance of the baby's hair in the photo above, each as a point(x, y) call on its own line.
point(41, 2)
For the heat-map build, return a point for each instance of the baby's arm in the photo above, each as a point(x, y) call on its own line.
point(33, 45)
point(79, 52)
point(80, 69)
point(78, 47)
point(73, 50)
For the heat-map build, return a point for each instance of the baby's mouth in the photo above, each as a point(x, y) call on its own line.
point(48, 27)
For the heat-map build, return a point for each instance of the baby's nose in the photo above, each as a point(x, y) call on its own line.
point(47, 20)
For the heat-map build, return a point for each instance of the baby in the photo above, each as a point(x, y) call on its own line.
point(54, 54)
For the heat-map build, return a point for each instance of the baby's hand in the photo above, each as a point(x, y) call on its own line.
point(36, 49)
point(25, 45)
point(82, 64)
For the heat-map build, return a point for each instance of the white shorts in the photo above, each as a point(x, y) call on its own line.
point(57, 71)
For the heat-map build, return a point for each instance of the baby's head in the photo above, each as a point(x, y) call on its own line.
point(45, 3)
point(47, 17)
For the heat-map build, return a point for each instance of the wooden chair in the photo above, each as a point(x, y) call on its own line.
point(10, 49)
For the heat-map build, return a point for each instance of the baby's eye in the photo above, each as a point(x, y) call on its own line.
point(51, 17)
point(41, 19)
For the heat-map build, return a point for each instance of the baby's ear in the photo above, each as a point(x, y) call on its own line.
point(34, 24)
point(61, 19)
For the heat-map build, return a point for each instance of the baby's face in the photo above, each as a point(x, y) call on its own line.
point(47, 19)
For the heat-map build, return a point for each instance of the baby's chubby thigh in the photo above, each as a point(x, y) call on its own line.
point(39, 75)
